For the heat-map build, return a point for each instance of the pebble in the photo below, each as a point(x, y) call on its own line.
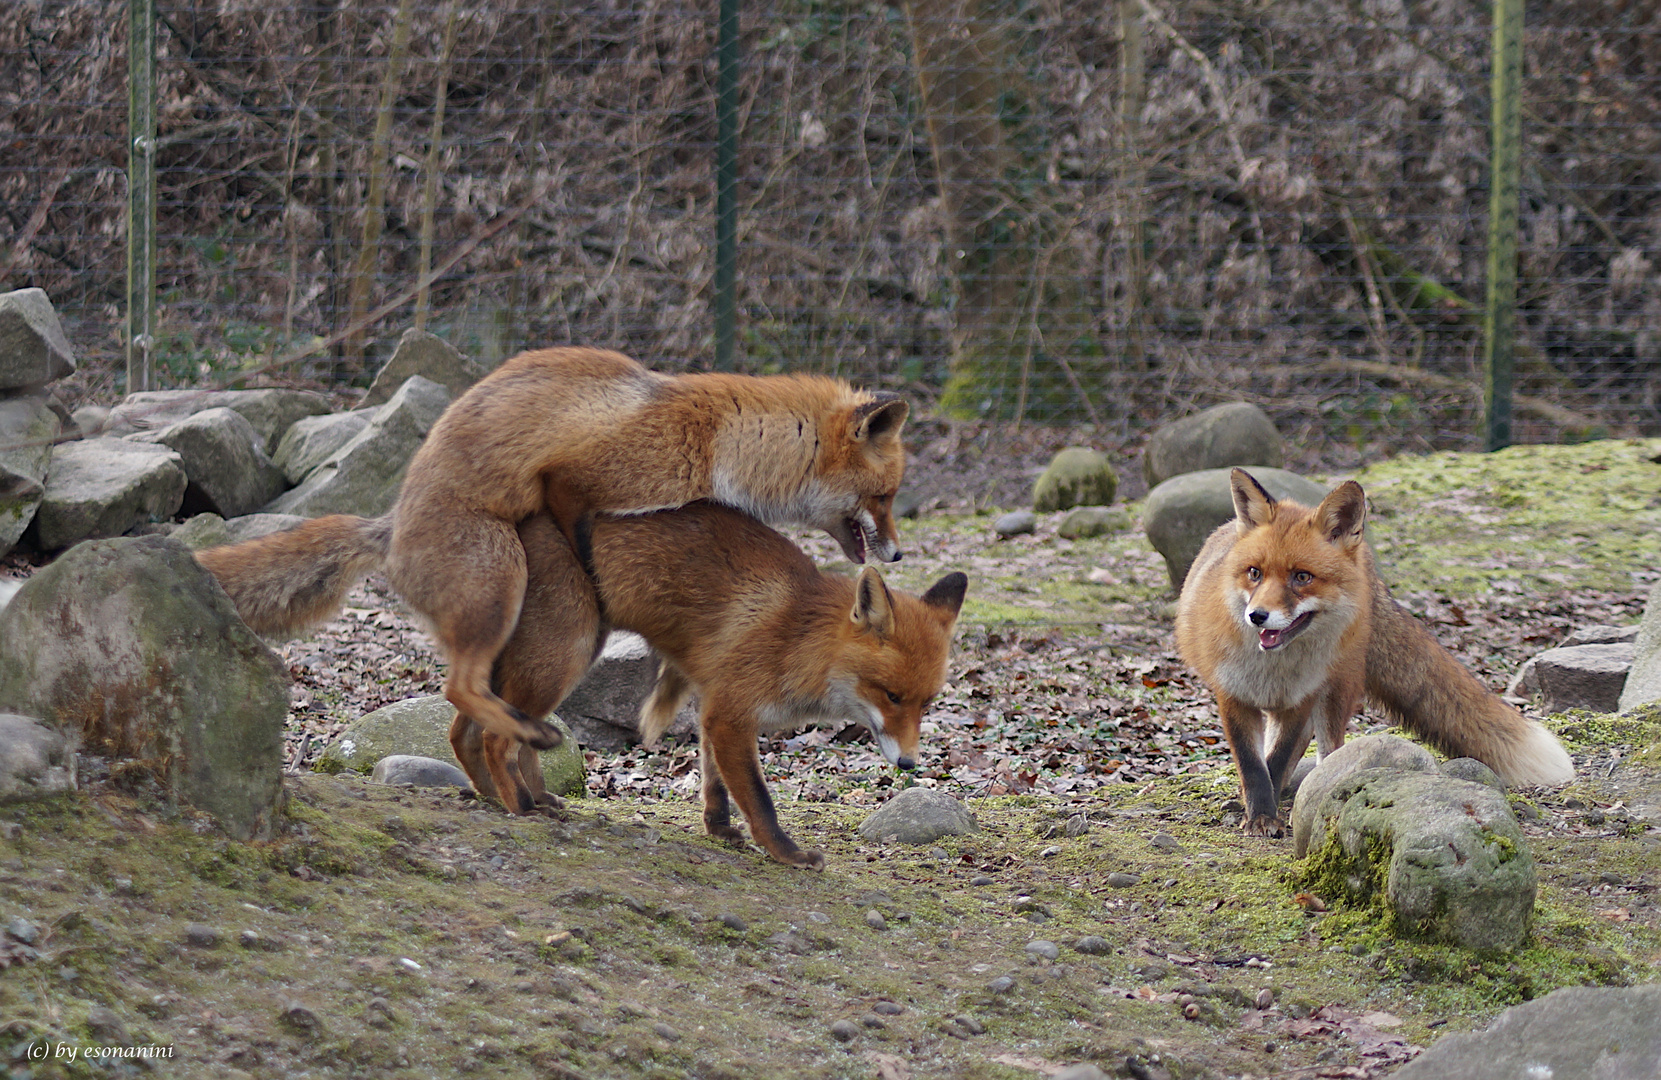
point(818, 917)
point(970, 1024)
point(1265, 999)
point(1043, 950)
point(734, 923)
point(378, 1013)
point(23, 930)
point(888, 1008)
point(981, 879)
point(203, 937)
point(1091, 945)
point(844, 1031)
point(1120, 879)
point(1015, 523)
point(297, 1016)
point(872, 1020)
point(1165, 842)
point(874, 919)
point(667, 1033)
point(1003, 984)
point(1048, 852)
point(938, 854)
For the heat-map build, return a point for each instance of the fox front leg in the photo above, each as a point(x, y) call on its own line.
point(1243, 725)
point(732, 755)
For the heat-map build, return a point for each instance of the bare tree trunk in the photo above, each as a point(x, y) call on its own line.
point(1020, 299)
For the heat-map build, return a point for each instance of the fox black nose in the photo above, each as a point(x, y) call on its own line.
point(1258, 616)
point(907, 763)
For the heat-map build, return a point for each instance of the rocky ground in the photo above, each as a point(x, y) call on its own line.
point(1109, 911)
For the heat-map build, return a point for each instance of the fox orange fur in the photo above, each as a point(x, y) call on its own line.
point(1285, 618)
point(768, 640)
point(576, 431)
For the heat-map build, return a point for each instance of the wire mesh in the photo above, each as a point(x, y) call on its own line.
point(1013, 209)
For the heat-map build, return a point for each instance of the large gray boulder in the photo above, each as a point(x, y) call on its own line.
point(103, 487)
point(224, 461)
point(426, 355)
point(1578, 676)
point(1576, 1033)
point(1315, 804)
point(270, 410)
point(311, 440)
point(1444, 858)
point(27, 430)
point(1238, 433)
point(1183, 511)
point(1076, 476)
point(363, 476)
point(33, 347)
point(918, 815)
point(420, 727)
point(1643, 682)
point(36, 760)
point(131, 647)
point(604, 708)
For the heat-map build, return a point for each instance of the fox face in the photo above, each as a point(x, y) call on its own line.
point(893, 659)
point(860, 478)
point(1293, 568)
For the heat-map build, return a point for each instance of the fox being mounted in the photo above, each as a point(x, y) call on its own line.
point(571, 432)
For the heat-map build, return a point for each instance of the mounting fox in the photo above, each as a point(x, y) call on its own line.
point(583, 430)
point(1283, 615)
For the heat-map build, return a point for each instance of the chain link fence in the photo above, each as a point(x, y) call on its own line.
point(1014, 209)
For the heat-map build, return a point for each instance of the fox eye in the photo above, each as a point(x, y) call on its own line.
point(1302, 577)
point(892, 697)
point(1253, 574)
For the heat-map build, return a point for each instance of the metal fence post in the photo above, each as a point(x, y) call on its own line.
point(141, 193)
point(726, 186)
point(1500, 317)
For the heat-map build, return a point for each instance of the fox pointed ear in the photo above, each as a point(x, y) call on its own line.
point(881, 418)
point(947, 593)
point(1253, 506)
point(1342, 514)
point(873, 606)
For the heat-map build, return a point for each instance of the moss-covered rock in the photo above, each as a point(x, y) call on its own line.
point(421, 727)
point(130, 645)
point(1077, 476)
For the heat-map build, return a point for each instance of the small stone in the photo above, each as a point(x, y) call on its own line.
point(669, 1034)
point(1043, 950)
point(23, 930)
point(734, 923)
point(1091, 945)
point(1191, 1011)
point(938, 854)
point(981, 879)
point(378, 1013)
point(818, 917)
point(888, 1008)
point(1120, 879)
point(970, 1024)
point(203, 937)
point(297, 1017)
point(1265, 999)
point(1015, 523)
point(844, 1031)
point(1077, 825)
point(1003, 984)
point(872, 1020)
point(874, 919)
point(1165, 842)
point(1049, 852)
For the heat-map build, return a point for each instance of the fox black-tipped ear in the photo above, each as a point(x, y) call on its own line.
point(947, 593)
point(880, 418)
point(1253, 506)
point(1342, 514)
point(873, 606)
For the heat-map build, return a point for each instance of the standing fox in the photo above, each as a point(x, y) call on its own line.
point(580, 430)
point(739, 614)
point(1283, 614)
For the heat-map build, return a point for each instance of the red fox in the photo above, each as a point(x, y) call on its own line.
point(768, 640)
point(582, 430)
point(1282, 614)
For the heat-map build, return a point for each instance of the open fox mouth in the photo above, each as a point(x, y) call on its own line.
point(1274, 639)
point(853, 540)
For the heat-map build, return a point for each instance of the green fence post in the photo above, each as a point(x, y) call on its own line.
point(1500, 317)
point(141, 193)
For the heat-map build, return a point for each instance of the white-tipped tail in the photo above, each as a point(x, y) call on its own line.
point(1535, 760)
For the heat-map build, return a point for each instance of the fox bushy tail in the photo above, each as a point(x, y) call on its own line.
point(287, 582)
point(1434, 696)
